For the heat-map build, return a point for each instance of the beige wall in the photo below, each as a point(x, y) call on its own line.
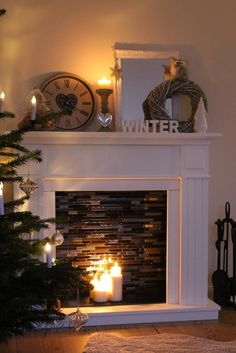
point(42, 37)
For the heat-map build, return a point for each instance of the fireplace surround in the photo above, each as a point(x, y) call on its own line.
point(103, 161)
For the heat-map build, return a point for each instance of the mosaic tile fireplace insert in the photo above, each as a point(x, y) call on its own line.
point(116, 226)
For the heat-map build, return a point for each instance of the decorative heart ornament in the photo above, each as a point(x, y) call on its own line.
point(66, 102)
point(104, 119)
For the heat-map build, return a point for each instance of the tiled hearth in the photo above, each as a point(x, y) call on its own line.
point(176, 163)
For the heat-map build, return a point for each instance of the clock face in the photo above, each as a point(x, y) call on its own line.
point(69, 92)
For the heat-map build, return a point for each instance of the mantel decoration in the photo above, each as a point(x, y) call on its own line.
point(27, 185)
point(77, 319)
point(176, 83)
point(69, 93)
point(104, 117)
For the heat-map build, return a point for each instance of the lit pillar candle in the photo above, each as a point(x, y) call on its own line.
point(1, 199)
point(116, 283)
point(100, 291)
point(48, 250)
point(2, 99)
point(33, 107)
point(104, 83)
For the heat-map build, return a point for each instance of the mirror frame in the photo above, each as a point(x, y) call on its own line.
point(120, 54)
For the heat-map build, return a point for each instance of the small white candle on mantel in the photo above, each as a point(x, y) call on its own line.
point(2, 99)
point(116, 283)
point(33, 107)
point(1, 199)
point(104, 83)
point(48, 249)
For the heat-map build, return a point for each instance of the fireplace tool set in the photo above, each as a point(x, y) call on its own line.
point(224, 286)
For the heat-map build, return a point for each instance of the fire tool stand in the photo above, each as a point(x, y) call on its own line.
point(224, 286)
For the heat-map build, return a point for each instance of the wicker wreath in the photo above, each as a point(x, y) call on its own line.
point(154, 104)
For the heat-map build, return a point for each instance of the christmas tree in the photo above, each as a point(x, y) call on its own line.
point(30, 291)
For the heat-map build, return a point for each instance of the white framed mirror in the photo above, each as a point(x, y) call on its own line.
point(141, 71)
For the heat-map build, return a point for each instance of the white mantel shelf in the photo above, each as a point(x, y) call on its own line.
point(116, 138)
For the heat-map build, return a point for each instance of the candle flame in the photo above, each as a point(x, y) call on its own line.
point(116, 270)
point(2, 96)
point(33, 100)
point(48, 247)
point(104, 81)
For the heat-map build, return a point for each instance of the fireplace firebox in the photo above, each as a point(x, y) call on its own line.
point(123, 227)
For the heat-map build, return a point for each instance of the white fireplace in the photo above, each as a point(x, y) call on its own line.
point(103, 161)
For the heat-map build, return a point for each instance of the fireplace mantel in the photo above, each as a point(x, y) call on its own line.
point(119, 138)
point(101, 161)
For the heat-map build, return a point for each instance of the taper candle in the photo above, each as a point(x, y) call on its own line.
point(48, 249)
point(33, 107)
point(2, 99)
point(1, 199)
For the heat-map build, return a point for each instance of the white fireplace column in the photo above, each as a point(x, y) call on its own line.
point(194, 225)
point(177, 163)
point(194, 242)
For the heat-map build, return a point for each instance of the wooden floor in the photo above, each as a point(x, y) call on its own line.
point(69, 341)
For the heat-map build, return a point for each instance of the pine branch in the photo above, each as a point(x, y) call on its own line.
point(7, 114)
point(2, 12)
point(25, 218)
point(9, 154)
point(14, 136)
point(11, 179)
point(21, 160)
point(52, 116)
point(15, 203)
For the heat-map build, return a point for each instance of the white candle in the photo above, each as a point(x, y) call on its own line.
point(116, 283)
point(48, 250)
point(100, 291)
point(2, 99)
point(33, 107)
point(100, 295)
point(104, 83)
point(1, 199)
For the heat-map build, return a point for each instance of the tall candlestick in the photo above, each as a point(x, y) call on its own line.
point(48, 250)
point(2, 99)
point(104, 92)
point(33, 107)
point(1, 199)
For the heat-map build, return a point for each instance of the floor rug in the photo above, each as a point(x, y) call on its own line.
point(159, 343)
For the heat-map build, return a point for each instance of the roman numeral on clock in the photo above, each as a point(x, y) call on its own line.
point(56, 84)
point(68, 124)
point(66, 83)
point(83, 93)
point(84, 112)
point(78, 120)
point(48, 92)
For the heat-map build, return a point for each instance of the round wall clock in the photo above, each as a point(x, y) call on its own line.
point(69, 92)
